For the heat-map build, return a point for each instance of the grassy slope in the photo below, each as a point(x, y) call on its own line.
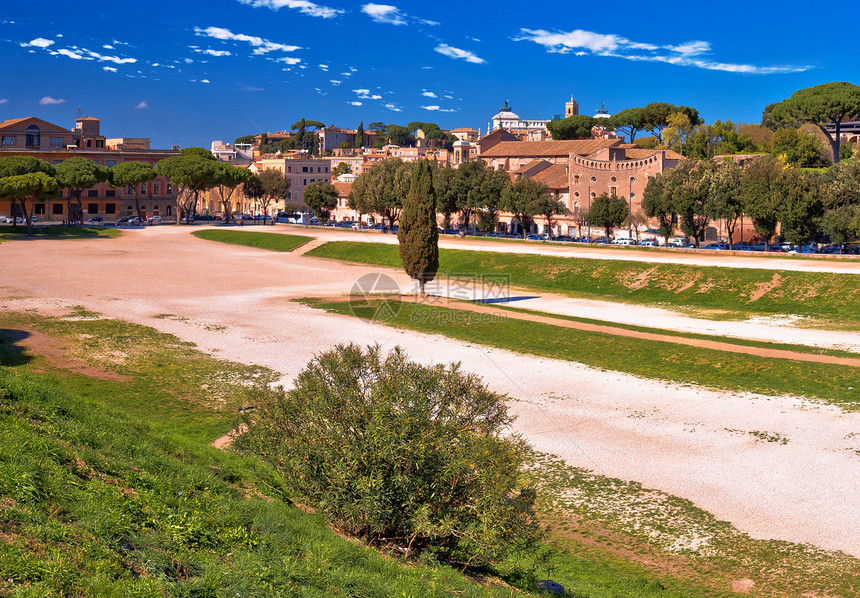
point(647, 358)
point(111, 488)
point(831, 297)
point(271, 241)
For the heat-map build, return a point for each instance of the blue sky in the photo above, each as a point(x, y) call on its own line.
point(186, 72)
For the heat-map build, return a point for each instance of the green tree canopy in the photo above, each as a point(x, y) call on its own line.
point(267, 187)
point(134, 174)
point(829, 103)
point(573, 127)
point(418, 234)
point(192, 171)
point(227, 180)
point(657, 203)
point(321, 197)
point(762, 190)
point(608, 212)
point(628, 122)
point(24, 189)
point(521, 198)
point(397, 452)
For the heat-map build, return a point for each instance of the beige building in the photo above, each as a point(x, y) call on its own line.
point(301, 171)
point(35, 137)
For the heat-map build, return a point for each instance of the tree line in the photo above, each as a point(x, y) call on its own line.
point(804, 205)
point(474, 194)
point(779, 134)
point(25, 181)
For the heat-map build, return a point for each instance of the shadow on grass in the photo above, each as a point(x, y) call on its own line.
point(490, 300)
point(11, 353)
point(19, 233)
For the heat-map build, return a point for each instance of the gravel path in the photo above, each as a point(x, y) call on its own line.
point(694, 443)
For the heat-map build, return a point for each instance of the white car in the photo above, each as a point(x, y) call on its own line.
point(3, 219)
point(624, 242)
point(648, 243)
point(152, 219)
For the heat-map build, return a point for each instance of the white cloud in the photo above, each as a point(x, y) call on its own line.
point(59, 35)
point(429, 94)
point(109, 69)
point(48, 100)
point(323, 67)
point(453, 52)
point(260, 45)
point(141, 106)
point(211, 52)
point(393, 108)
point(69, 53)
point(39, 42)
point(205, 81)
point(335, 82)
point(4, 100)
point(617, 46)
point(356, 103)
point(431, 108)
point(384, 13)
point(362, 93)
point(303, 6)
point(114, 59)
point(288, 60)
point(107, 47)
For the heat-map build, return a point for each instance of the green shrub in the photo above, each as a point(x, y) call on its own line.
point(400, 454)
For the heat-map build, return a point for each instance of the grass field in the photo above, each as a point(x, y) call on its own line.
point(109, 487)
point(9, 233)
point(835, 384)
point(706, 291)
point(270, 241)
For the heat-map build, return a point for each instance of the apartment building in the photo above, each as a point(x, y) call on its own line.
point(31, 136)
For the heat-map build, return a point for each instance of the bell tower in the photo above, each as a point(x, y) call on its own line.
point(571, 108)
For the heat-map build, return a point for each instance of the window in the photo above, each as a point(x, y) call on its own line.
point(40, 209)
point(155, 208)
point(576, 179)
point(93, 193)
point(129, 189)
point(95, 161)
point(156, 188)
point(614, 179)
point(594, 179)
point(10, 140)
point(92, 208)
point(110, 193)
point(57, 209)
point(143, 188)
point(89, 142)
point(169, 188)
point(34, 136)
point(613, 191)
point(325, 169)
point(289, 169)
point(110, 208)
point(304, 168)
point(110, 163)
point(633, 179)
point(100, 143)
point(56, 142)
point(55, 162)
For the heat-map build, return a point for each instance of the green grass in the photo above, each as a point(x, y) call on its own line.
point(720, 291)
point(835, 384)
point(270, 241)
point(111, 488)
point(9, 233)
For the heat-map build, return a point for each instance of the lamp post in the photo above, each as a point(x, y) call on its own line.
point(588, 213)
point(630, 208)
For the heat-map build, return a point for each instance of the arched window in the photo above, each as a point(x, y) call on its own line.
point(34, 136)
point(576, 179)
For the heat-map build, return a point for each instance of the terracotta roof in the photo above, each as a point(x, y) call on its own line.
point(88, 118)
point(554, 177)
point(523, 149)
point(463, 130)
point(16, 121)
point(343, 189)
point(638, 153)
point(528, 166)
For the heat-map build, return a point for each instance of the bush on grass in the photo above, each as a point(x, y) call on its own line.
point(401, 454)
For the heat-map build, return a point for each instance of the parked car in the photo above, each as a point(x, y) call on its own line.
point(599, 241)
point(808, 248)
point(564, 238)
point(534, 238)
point(627, 242)
point(95, 220)
point(3, 219)
point(719, 246)
point(153, 219)
point(757, 247)
point(648, 243)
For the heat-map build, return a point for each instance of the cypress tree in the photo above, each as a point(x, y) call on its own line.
point(359, 135)
point(418, 235)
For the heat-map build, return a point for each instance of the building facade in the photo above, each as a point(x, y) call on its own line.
point(52, 143)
